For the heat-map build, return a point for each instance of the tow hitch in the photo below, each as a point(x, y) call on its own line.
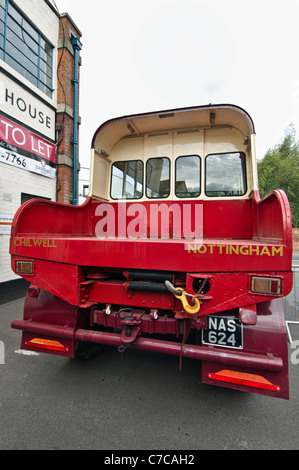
point(130, 325)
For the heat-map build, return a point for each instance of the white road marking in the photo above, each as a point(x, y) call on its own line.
point(26, 353)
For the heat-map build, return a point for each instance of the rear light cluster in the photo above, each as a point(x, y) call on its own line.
point(266, 285)
point(25, 267)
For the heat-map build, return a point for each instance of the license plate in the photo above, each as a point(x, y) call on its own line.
point(223, 331)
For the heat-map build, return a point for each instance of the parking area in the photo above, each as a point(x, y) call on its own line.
point(133, 401)
point(291, 303)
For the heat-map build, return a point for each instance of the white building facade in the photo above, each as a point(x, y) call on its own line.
point(29, 43)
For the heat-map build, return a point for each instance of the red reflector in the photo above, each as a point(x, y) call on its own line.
point(46, 344)
point(248, 380)
point(33, 291)
point(274, 287)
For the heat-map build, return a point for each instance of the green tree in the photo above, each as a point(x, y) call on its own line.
point(279, 169)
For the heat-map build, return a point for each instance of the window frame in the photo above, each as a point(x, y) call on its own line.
point(200, 176)
point(111, 179)
point(24, 63)
point(145, 185)
point(245, 175)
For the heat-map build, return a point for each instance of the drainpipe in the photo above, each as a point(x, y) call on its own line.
point(77, 46)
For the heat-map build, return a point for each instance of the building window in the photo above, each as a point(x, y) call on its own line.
point(26, 197)
point(24, 48)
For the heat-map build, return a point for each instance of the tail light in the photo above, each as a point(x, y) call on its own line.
point(266, 285)
point(25, 267)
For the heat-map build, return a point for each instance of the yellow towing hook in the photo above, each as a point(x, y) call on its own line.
point(180, 294)
point(186, 306)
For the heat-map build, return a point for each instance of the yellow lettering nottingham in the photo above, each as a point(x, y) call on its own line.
point(201, 249)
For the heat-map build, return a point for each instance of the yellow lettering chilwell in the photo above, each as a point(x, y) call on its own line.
point(35, 242)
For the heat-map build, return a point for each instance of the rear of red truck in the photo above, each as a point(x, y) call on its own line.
point(173, 252)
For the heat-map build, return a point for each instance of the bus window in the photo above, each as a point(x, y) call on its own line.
point(158, 177)
point(226, 174)
point(187, 176)
point(127, 180)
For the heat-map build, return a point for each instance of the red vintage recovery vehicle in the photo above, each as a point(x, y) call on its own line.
point(173, 251)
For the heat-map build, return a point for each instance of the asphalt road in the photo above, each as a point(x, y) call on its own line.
point(136, 401)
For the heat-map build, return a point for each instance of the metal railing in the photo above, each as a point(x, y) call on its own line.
point(291, 304)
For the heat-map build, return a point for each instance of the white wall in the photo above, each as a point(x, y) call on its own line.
point(14, 180)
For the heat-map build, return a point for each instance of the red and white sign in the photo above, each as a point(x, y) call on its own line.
point(5, 224)
point(26, 150)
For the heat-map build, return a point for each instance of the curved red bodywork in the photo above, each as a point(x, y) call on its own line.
point(85, 281)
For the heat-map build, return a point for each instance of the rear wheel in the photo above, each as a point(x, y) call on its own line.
point(87, 351)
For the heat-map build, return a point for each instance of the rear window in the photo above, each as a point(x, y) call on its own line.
point(157, 177)
point(127, 180)
point(226, 174)
point(187, 176)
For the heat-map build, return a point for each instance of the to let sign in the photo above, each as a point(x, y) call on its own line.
point(26, 150)
point(5, 225)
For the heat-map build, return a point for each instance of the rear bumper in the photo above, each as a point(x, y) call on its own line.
point(241, 359)
point(264, 357)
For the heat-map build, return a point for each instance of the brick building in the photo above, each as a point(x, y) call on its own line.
point(39, 121)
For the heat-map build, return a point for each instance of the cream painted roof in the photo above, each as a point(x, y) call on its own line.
point(112, 131)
